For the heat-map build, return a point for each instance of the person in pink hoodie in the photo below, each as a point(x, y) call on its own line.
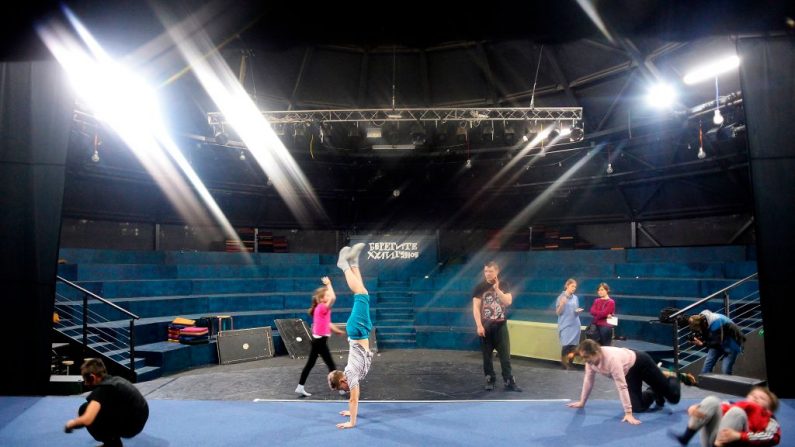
point(629, 370)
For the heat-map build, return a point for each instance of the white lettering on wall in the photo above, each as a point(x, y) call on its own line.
point(393, 250)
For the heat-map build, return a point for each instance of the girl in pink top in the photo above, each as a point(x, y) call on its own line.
point(322, 300)
point(628, 369)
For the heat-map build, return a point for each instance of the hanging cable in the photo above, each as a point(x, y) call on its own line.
point(394, 73)
point(535, 81)
point(718, 118)
point(253, 79)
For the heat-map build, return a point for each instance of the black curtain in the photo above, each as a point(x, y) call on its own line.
point(36, 107)
point(768, 87)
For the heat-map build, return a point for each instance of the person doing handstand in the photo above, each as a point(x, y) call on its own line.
point(358, 328)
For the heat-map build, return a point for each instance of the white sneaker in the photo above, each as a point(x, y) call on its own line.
point(300, 390)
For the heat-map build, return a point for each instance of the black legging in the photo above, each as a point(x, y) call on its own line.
point(605, 335)
point(662, 388)
point(496, 337)
point(319, 347)
point(112, 424)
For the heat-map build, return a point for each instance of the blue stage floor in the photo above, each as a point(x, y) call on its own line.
point(34, 422)
point(411, 397)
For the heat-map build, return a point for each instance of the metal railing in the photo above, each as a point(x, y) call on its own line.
point(745, 311)
point(89, 319)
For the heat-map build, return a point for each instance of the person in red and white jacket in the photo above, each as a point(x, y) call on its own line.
point(749, 422)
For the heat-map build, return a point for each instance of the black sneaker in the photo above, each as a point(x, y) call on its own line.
point(688, 379)
point(510, 385)
point(490, 381)
point(681, 438)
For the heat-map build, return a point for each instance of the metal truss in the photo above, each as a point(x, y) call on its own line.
point(436, 115)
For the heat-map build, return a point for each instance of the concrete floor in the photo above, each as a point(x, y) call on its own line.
point(394, 375)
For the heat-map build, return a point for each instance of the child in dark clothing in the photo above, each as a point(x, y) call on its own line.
point(115, 409)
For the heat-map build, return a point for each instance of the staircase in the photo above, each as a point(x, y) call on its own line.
point(101, 328)
point(395, 315)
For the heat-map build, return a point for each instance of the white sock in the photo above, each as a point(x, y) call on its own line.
point(342, 262)
point(353, 255)
point(300, 390)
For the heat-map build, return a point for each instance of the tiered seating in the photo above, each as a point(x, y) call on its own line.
point(415, 311)
point(642, 282)
point(255, 290)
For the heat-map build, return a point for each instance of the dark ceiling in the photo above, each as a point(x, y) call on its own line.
point(367, 55)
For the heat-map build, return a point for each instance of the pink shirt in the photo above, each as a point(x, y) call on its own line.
point(615, 363)
point(321, 321)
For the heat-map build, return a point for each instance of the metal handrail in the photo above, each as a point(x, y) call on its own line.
point(709, 297)
point(95, 296)
point(132, 316)
point(675, 322)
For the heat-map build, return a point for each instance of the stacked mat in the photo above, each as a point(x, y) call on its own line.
point(194, 335)
point(176, 326)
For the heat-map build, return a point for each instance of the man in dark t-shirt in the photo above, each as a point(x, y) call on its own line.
point(115, 409)
point(490, 300)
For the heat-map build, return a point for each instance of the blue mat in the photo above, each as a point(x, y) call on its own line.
point(38, 421)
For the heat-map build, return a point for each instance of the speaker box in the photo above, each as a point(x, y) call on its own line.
point(244, 345)
point(296, 336)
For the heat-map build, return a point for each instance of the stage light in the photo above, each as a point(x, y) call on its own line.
point(396, 193)
point(609, 168)
point(701, 154)
point(418, 135)
point(718, 118)
point(576, 134)
point(242, 156)
point(487, 133)
point(711, 70)
point(661, 96)
point(221, 138)
point(461, 132)
point(509, 134)
point(374, 133)
point(468, 164)
point(95, 156)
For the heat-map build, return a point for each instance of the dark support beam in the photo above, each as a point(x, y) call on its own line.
point(654, 193)
point(691, 183)
point(627, 204)
point(560, 78)
point(363, 69)
point(643, 231)
point(639, 160)
point(304, 63)
point(742, 230)
point(481, 58)
point(645, 65)
point(619, 97)
point(425, 78)
point(604, 46)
